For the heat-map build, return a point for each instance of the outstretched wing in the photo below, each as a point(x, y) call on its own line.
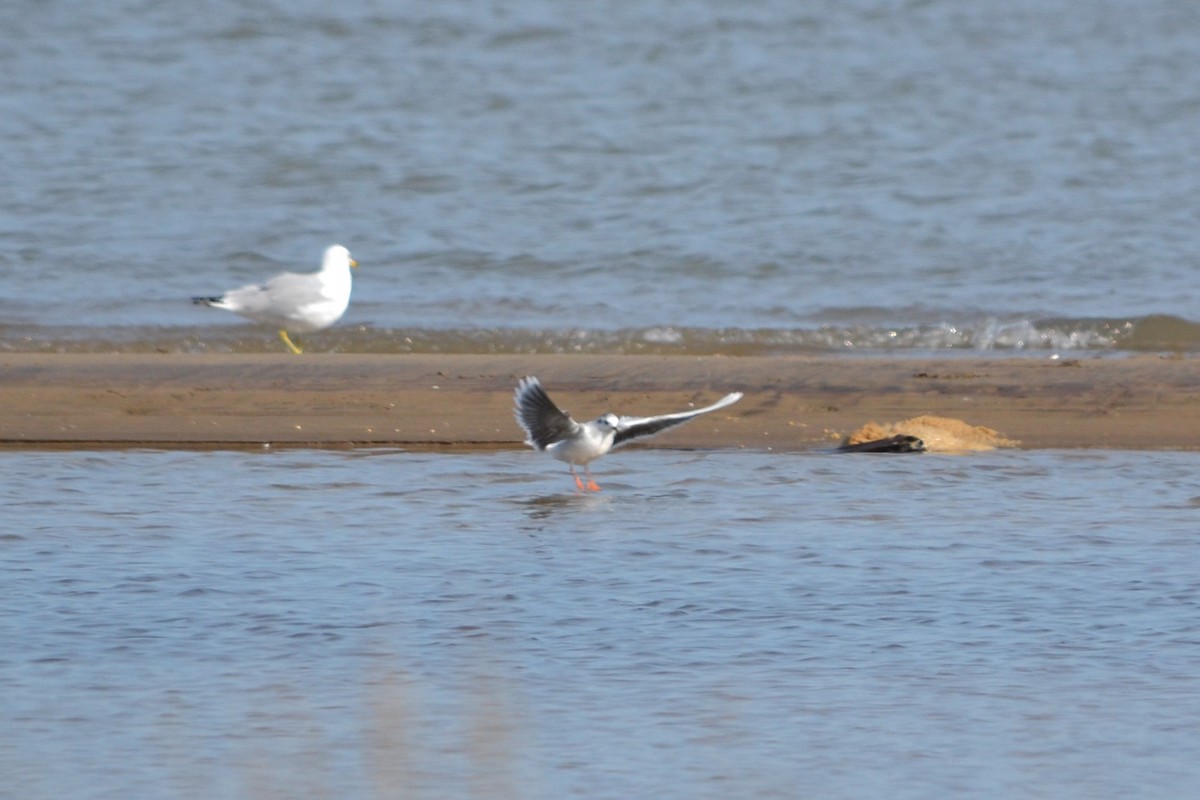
point(544, 422)
point(629, 428)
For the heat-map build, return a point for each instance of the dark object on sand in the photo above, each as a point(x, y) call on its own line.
point(900, 443)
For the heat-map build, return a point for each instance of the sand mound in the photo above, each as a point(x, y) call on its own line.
point(940, 434)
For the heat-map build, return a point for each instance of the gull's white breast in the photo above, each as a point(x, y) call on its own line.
point(589, 445)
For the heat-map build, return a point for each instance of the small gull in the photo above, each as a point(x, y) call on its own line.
point(299, 303)
point(551, 429)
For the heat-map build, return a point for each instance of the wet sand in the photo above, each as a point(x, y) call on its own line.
point(464, 401)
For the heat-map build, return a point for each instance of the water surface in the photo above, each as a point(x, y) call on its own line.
point(379, 624)
point(856, 174)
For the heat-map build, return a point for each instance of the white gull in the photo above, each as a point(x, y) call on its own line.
point(552, 430)
point(292, 302)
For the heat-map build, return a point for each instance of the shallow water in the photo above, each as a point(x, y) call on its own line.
point(380, 623)
point(837, 174)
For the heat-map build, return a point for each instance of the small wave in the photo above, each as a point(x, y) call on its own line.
point(1141, 334)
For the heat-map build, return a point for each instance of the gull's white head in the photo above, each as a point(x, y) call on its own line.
point(607, 422)
point(337, 257)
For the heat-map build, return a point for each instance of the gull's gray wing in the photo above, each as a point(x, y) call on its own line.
point(629, 428)
point(544, 422)
point(281, 296)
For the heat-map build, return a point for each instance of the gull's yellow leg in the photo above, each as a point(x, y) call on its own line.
point(591, 484)
point(290, 346)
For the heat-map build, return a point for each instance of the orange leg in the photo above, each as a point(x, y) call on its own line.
point(579, 487)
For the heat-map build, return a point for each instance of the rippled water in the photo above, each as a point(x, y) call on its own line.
point(378, 624)
point(840, 174)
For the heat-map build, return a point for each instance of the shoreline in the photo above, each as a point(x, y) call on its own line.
point(457, 402)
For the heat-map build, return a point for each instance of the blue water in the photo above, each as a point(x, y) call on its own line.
point(378, 624)
point(888, 174)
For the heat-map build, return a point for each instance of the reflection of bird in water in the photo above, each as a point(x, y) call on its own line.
point(292, 302)
point(550, 429)
point(540, 508)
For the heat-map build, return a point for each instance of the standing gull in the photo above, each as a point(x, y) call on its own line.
point(293, 302)
point(549, 428)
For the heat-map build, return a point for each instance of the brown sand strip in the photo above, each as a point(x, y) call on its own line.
point(791, 403)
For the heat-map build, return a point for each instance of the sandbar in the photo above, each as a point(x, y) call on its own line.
point(431, 401)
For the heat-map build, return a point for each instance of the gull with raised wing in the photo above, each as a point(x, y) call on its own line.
point(295, 303)
point(552, 430)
